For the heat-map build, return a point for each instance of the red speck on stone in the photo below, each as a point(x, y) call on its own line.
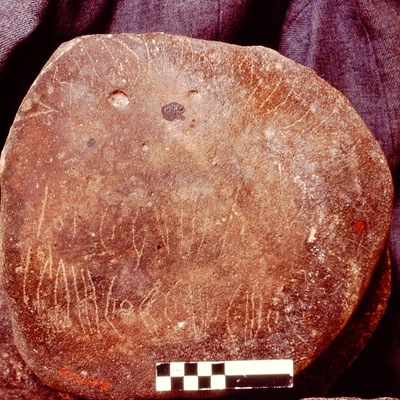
point(359, 227)
point(92, 382)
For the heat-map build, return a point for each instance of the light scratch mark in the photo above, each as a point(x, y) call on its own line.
point(181, 233)
point(139, 252)
point(39, 113)
point(167, 299)
point(298, 120)
point(203, 234)
point(74, 225)
point(183, 62)
point(92, 62)
point(84, 301)
point(231, 214)
point(46, 192)
point(195, 329)
point(277, 86)
point(144, 309)
point(106, 312)
point(26, 270)
point(136, 75)
point(61, 270)
point(78, 299)
point(163, 229)
point(322, 121)
point(149, 59)
point(48, 266)
point(109, 51)
point(94, 297)
point(251, 95)
point(228, 326)
point(102, 225)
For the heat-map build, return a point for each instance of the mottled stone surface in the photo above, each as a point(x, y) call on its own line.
point(170, 199)
point(318, 378)
point(17, 381)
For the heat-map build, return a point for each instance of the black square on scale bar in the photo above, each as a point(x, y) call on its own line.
point(218, 368)
point(191, 369)
point(177, 383)
point(204, 382)
point(163, 369)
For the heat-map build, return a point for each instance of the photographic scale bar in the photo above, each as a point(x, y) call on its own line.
point(222, 375)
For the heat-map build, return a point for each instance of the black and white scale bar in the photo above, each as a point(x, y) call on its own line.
point(221, 375)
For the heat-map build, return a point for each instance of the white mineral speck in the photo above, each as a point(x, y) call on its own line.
point(311, 236)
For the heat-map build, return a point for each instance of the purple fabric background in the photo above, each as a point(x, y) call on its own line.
point(353, 44)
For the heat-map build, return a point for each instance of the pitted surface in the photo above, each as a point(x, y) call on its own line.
point(243, 221)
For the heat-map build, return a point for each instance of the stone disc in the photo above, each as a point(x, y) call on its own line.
point(172, 199)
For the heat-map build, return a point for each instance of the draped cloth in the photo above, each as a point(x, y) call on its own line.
point(353, 44)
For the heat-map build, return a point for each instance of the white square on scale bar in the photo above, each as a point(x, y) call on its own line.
point(163, 384)
point(177, 369)
point(190, 383)
point(218, 382)
point(204, 368)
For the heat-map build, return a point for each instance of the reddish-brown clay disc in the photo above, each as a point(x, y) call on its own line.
point(171, 199)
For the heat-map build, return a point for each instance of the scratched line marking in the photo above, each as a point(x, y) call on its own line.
point(42, 213)
point(77, 299)
point(61, 274)
point(94, 298)
point(131, 51)
point(47, 267)
point(138, 250)
point(107, 309)
point(92, 61)
point(182, 61)
point(274, 90)
point(163, 229)
point(26, 270)
point(145, 307)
